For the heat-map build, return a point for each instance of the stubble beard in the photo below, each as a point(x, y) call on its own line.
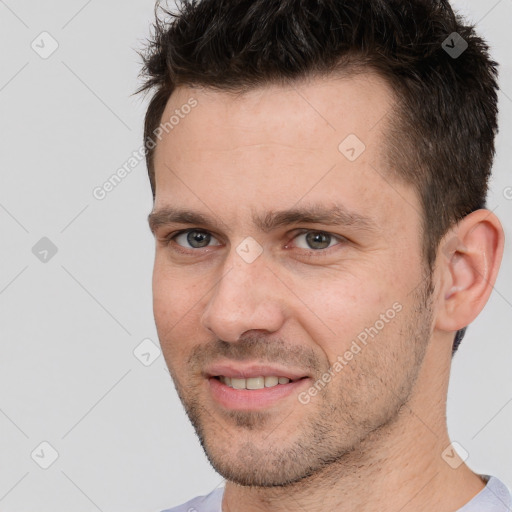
point(256, 450)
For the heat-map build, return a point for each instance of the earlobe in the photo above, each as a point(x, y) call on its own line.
point(469, 260)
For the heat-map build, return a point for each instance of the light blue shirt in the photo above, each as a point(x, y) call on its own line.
point(495, 497)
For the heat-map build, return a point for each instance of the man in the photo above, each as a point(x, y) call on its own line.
point(319, 171)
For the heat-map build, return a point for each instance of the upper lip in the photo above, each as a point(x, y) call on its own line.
point(248, 370)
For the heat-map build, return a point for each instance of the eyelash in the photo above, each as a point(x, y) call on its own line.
point(310, 253)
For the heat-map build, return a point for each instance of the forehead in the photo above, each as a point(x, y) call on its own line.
point(319, 110)
point(274, 146)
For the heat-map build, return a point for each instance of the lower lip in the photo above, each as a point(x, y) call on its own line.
point(245, 399)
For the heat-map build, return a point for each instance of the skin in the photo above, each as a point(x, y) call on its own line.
point(373, 437)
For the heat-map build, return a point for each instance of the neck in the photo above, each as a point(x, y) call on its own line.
point(397, 467)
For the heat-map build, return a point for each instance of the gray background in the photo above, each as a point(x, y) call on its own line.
point(70, 324)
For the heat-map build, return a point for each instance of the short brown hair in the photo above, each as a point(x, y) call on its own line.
point(441, 136)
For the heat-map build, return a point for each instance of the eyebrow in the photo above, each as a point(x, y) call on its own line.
point(336, 215)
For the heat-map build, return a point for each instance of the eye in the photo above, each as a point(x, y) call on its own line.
point(316, 240)
point(193, 239)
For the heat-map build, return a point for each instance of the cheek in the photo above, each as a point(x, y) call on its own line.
point(175, 287)
point(176, 302)
point(342, 309)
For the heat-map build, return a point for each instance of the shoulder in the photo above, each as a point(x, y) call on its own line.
point(209, 503)
point(500, 491)
point(495, 497)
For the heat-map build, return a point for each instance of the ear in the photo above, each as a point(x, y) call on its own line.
point(468, 263)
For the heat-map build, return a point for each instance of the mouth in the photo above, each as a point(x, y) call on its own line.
point(253, 383)
point(253, 387)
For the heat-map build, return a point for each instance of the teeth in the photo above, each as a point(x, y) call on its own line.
point(254, 382)
point(238, 383)
point(271, 381)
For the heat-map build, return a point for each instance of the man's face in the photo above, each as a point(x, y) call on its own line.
point(251, 292)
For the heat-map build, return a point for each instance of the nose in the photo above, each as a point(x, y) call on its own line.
point(247, 296)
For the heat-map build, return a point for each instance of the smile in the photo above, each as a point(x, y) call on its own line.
point(253, 382)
